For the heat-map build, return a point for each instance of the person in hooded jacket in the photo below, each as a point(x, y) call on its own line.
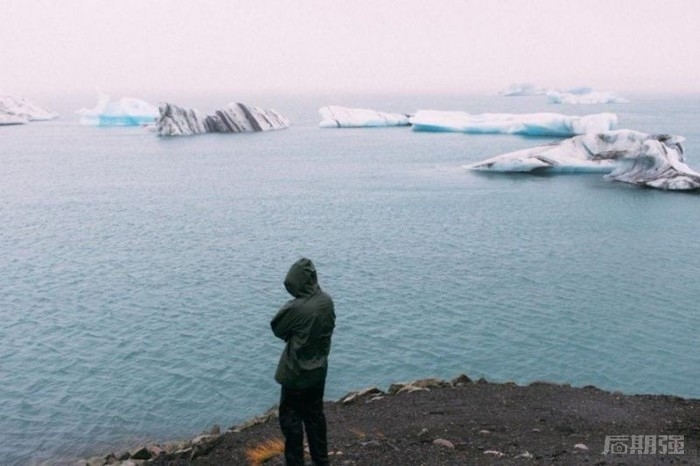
point(306, 324)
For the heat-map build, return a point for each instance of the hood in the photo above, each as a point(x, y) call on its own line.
point(301, 279)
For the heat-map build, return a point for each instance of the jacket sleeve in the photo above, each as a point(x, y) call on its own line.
point(283, 323)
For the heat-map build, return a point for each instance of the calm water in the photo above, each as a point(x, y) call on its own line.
point(138, 275)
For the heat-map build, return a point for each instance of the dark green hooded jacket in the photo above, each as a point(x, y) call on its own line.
point(306, 323)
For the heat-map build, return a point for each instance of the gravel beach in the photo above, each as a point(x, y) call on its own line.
point(464, 422)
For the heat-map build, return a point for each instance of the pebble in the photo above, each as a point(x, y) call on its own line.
point(444, 443)
point(354, 396)
point(495, 453)
point(197, 440)
point(581, 447)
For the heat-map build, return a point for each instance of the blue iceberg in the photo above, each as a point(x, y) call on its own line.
point(334, 116)
point(530, 124)
point(127, 111)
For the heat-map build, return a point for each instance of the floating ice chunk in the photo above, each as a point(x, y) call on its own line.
point(522, 89)
point(343, 117)
point(584, 96)
point(630, 156)
point(233, 118)
point(531, 124)
point(16, 110)
point(7, 119)
point(123, 112)
point(179, 121)
point(588, 153)
point(659, 164)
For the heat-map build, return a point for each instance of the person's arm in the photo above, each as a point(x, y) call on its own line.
point(283, 323)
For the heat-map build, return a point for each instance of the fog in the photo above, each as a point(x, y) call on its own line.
point(277, 46)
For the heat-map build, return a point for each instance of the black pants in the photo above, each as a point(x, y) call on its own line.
point(299, 410)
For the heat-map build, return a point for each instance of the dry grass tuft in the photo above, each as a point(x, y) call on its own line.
point(358, 433)
point(264, 451)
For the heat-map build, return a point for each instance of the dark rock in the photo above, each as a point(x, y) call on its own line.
point(141, 454)
point(351, 397)
point(462, 379)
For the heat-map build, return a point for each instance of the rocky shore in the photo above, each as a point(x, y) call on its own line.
point(462, 422)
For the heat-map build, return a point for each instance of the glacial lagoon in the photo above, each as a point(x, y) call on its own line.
point(139, 274)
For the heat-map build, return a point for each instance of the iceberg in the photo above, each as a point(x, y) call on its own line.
point(15, 110)
point(343, 117)
point(7, 119)
point(651, 160)
point(127, 111)
point(522, 89)
point(174, 120)
point(530, 124)
point(660, 164)
point(584, 96)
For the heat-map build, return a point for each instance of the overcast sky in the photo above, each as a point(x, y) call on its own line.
point(348, 45)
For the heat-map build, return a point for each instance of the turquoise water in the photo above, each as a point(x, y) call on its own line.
point(138, 275)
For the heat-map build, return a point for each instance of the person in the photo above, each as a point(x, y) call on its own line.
point(306, 324)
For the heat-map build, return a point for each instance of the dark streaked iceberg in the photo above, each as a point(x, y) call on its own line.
point(660, 164)
point(530, 124)
point(233, 118)
point(15, 110)
point(334, 116)
point(179, 121)
point(650, 160)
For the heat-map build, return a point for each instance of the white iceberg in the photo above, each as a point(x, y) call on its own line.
point(7, 119)
point(531, 124)
point(15, 110)
point(126, 111)
point(584, 95)
point(523, 89)
point(650, 160)
point(333, 116)
point(174, 120)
